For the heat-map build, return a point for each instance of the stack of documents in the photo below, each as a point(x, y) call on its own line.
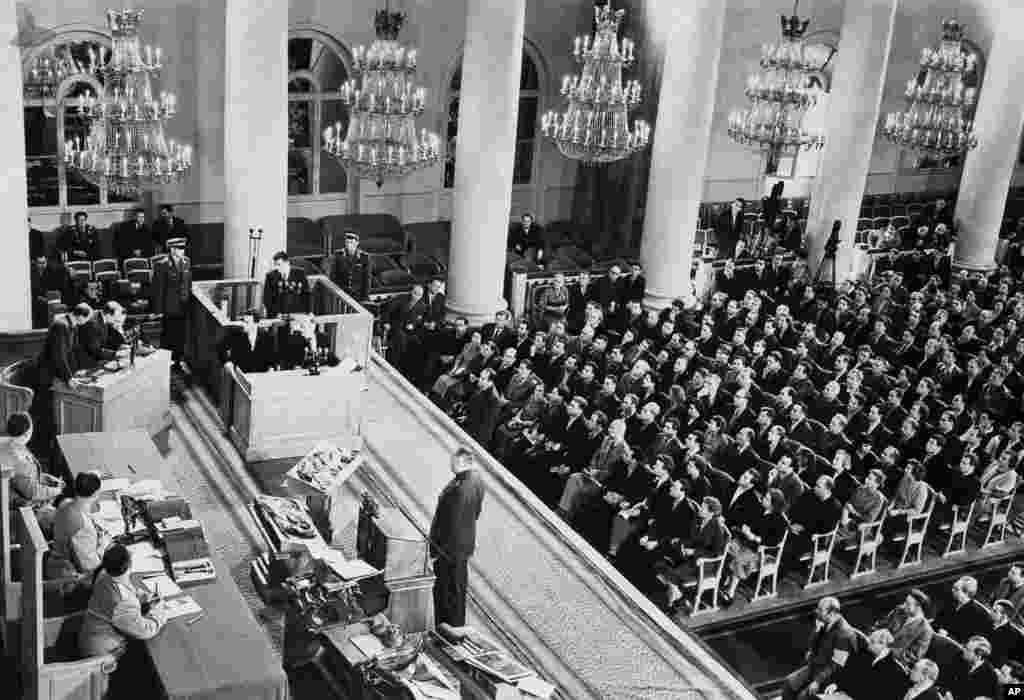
point(146, 558)
point(179, 607)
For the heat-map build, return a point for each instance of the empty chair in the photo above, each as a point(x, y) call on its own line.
point(820, 557)
point(879, 223)
point(176, 241)
point(866, 544)
point(864, 224)
point(915, 209)
point(423, 266)
point(899, 222)
point(144, 276)
point(107, 277)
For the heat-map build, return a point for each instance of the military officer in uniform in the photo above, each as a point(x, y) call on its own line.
point(350, 268)
point(79, 242)
point(171, 292)
point(285, 289)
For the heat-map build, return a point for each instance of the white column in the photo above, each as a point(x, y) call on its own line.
point(988, 169)
point(255, 132)
point(485, 156)
point(15, 286)
point(682, 134)
point(853, 116)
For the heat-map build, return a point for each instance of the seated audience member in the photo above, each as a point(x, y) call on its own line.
point(1007, 638)
point(997, 481)
point(168, 226)
point(708, 541)
point(784, 478)
point(669, 523)
point(78, 540)
point(911, 631)
point(766, 530)
point(527, 239)
point(816, 513)
point(866, 503)
point(483, 409)
point(833, 641)
point(875, 675)
point(966, 617)
point(30, 485)
point(923, 675)
point(631, 514)
point(115, 615)
point(610, 457)
point(246, 347)
point(978, 679)
point(462, 365)
point(1011, 588)
point(963, 486)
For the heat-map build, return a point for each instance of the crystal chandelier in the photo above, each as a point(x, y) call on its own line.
point(781, 93)
point(384, 102)
point(938, 119)
point(593, 126)
point(127, 149)
point(47, 71)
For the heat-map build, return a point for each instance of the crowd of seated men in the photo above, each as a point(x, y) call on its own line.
point(673, 436)
point(53, 280)
point(965, 649)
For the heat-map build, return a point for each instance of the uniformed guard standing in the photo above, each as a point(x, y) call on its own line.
point(171, 293)
point(286, 289)
point(350, 268)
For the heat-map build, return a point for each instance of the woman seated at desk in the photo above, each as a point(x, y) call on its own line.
point(247, 347)
point(78, 540)
point(302, 346)
point(114, 615)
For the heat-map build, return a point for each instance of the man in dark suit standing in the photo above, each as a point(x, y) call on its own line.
point(350, 268)
point(133, 238)
point(453, 539)
point(171, 293)
point(56, 361)
point(286, 289)
point(166, 227)
point(729, 228)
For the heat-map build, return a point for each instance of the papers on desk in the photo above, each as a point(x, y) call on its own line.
point(368, 644)
point(537, 688)
point(325, 467)
point(145, 489)
point(485, 655)
point(114, 485)
point(179, 607)
point(347, 569)
point(146, 558)
point(161, 585)
point(108, 516)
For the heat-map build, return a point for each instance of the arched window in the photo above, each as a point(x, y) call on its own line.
point(526, 126)
point(51, 117)
point(316, 73)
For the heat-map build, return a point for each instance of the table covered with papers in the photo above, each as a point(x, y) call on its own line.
point(213, 648)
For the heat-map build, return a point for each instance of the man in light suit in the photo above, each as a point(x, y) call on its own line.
point(453, 539)
point(584, 485)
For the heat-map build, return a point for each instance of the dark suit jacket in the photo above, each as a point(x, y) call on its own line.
point(57, 359)
point(519, 239)
point(729, 229)
point(962, 624)
point(79, 246)
point(130, 237)
point(830, 649)
point(286, 296)
point(95, 343)
point(235, 348)
point(172, 287)
point(435, 307)
point(453, 530)
point(744, 511)
point(164, 229)
point(710, 539)
point(982, 682)
point(865, 679)
point(483, 411)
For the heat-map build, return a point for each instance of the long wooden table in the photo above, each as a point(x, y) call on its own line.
point(225, 655)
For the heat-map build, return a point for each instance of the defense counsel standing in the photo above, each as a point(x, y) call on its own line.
point(350, 268)
point(453, 538)
point(286, 289)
